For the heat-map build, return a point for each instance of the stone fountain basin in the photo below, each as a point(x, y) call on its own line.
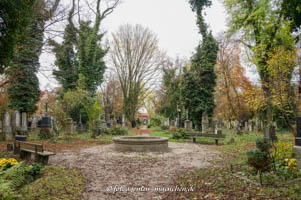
point(141, 143)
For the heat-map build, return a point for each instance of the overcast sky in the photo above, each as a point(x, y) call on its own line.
point(172, 21)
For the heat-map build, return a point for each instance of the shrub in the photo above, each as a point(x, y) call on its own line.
point(157, 120)
point(15, 177)
point(180, 134)
point(115, 131)
point(283, 150)
point(260, 158)
point(149, 126)
point(164, 127)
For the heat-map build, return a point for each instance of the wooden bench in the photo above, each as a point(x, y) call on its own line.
point(207, 135)
point(26, 149)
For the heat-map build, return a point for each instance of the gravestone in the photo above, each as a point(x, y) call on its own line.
point(246, 125)
point(34, 122)
point(188, 124)
point(7, 129)
point(114, 122)
point(17, 121)
point(24, 122)
point(229, 125)
point(250, 125)
point(172, 122)
point(69, 130)
point(236, 124)
point(123, 121)
point(166, 122)
point(257, 125)
point(270, 133)
point(205, 123)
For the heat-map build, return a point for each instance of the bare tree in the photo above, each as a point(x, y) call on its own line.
point(136, 59)
point(111, 96)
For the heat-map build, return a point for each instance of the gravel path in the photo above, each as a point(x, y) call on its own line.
point(108, 171)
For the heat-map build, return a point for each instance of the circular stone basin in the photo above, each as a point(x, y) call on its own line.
point(141, 143)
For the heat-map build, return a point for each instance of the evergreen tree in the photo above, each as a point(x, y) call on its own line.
point(66, 58)
point(23, 91)
point(14, 18)
point(81, 52)
point(199, 82)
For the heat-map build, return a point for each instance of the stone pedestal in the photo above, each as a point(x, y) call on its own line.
point(297, 155)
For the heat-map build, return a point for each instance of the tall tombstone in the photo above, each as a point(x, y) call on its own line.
point(69, 126)
point(246, 125)
point(250, 125)
point(236, 124)
point(229, 125)
point(17, 120)
point(24, 122)
point(205, 122)
point(257, 125)
point(7, 129)
point(34, 122)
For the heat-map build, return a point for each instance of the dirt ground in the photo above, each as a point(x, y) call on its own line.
point(116, 175)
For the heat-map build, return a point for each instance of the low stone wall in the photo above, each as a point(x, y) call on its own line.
point(141, 144)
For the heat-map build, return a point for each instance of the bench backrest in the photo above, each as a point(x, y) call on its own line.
point(29, 146)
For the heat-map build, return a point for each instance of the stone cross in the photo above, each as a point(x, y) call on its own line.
point(7, 127)
point(24, 122)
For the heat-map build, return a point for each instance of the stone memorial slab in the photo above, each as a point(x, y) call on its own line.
point(7, 129)
point(24, 122)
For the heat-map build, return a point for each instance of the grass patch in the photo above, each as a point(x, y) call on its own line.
point(55, 183)
point(219, 183)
